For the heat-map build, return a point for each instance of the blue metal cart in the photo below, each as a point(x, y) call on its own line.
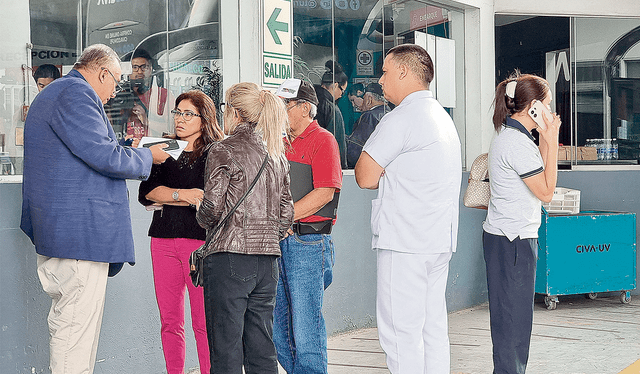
point(586, 253)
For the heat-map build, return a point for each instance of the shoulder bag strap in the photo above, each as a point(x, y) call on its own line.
point(210, 233)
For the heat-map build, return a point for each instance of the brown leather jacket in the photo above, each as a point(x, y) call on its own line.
point(262, 219)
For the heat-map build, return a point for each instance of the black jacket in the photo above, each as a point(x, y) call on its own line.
point(325, 118)
point(361, 132)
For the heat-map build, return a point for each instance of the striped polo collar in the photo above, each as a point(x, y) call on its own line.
point(510, 122)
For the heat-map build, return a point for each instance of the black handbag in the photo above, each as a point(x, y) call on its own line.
point(196, 260)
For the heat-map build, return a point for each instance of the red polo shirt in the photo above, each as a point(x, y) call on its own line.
point(317, 148)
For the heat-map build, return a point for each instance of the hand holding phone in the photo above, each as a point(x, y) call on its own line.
point(171, 144)
point(537, 111)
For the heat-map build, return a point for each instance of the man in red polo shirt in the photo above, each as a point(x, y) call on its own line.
point(307, 253)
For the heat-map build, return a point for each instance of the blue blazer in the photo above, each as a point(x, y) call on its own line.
point(74, 195)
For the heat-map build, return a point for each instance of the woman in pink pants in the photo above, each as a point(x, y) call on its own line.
point(173, 189)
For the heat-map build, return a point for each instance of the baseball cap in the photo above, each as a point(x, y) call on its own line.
point(375, 88)
point(297, 89)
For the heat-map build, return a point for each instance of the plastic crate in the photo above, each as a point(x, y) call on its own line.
point(565, 200)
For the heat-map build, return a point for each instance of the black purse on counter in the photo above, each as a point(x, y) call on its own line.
point(196, 260)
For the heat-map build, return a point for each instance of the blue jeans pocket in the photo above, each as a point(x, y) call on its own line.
point(329, 261)
point(243, 267)
point(309, 238)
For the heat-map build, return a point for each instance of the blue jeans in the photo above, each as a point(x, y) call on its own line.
point(299, 331)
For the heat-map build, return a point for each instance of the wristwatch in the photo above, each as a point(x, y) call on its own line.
point(176, 195)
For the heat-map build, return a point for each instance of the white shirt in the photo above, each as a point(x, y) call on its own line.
point(418, 196)
point(513, 209)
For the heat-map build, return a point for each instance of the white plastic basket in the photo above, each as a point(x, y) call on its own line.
point(565, 200)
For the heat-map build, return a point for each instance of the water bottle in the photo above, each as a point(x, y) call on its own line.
point(600, 148)
point(608, 150)
point(589, 143)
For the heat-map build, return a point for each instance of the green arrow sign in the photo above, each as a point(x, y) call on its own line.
point(273, 25)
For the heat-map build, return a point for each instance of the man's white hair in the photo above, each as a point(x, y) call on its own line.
point(96, 56)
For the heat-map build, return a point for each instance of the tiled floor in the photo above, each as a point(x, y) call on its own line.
point(581, 336)
point(584, 336)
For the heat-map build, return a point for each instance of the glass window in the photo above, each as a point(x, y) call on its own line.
point(167, 47)
point(607, 99)
point(593, 66)
point(340, 45)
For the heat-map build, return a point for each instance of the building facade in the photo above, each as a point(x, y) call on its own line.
point(587, 49)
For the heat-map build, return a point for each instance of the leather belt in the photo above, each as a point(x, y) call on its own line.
point(305, 228)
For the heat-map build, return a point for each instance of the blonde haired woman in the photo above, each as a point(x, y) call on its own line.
point(240, 267)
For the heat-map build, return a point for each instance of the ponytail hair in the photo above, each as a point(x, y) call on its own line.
point(264, 110)
point(514, 94)
point(334, 74)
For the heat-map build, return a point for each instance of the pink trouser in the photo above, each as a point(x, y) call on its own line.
point(170, 259)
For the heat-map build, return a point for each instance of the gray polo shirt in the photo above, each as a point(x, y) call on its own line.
point(513, 209)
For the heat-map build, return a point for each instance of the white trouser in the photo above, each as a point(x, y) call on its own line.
point(412, 311)
point(77, 289)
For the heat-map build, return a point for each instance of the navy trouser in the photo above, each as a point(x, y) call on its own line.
point(511, 276)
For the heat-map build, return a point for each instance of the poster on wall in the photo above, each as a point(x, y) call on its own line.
point(364, 62)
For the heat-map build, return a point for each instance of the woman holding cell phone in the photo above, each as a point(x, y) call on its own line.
point(521, 175)
point(174, 188)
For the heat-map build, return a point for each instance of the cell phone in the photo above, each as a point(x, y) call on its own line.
point(128, 142)
point(537, 110)
point(172, 144)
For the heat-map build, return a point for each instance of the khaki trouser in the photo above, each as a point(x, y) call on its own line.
point(77, 289)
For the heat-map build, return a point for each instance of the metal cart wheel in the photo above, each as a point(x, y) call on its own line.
point(551, 302)
point(625, 297)
point(592, 295)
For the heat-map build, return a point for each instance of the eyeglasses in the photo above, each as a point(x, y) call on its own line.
point(142, 68)
point(118, 88)
point(288, 101)
point(342, 89)
point(186, 115)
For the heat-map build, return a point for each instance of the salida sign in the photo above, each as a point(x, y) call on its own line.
point(277, 47)
point(277, 69)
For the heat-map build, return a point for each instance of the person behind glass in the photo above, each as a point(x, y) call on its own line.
point(45, 74)
point(520, 176)
point(355, 94)
point(306, 265)
point(240, 265)
point(174, 188)
point(329, 116)
point(149, 98)
point(373, 107)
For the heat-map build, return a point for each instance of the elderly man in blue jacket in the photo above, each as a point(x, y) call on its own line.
point(75, 207)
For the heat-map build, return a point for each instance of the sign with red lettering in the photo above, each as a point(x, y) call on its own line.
point(427, 16)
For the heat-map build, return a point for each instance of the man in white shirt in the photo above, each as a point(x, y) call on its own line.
point(413, 159)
